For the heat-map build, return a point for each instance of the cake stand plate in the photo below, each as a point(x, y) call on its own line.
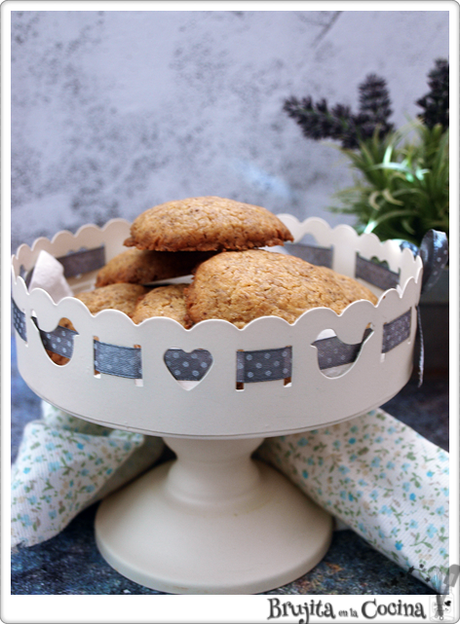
point(212, 521)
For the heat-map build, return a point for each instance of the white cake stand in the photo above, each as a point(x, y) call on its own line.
point(214, 520)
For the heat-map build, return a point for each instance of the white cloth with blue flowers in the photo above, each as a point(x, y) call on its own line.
point(373, 473)
point(382, 479)
point(65, 464)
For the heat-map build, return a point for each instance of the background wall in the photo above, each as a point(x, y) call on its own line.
point(114, 112)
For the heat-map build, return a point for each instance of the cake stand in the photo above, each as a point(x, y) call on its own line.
point(215, 520)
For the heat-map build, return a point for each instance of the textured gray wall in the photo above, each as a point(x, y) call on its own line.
point(114, 112)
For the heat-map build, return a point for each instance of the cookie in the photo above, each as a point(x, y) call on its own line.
point(206, 224)
point(136, 266)
point(121, 297)
point(162, 301)
point(239, 286)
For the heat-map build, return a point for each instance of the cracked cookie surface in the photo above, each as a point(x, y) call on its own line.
point(122, 297)
point(243, 285)
point(162, 301)
point(206, 224)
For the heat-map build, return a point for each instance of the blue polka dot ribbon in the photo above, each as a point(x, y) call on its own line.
point(59, 340)
point(185, 366)
point(251, 366)
point(263, 365)
point(19, 320)
point(375, 273)
point(83, 261)
point(320, 256)
point(434, 254)
point(396, 331)
point(117, 360)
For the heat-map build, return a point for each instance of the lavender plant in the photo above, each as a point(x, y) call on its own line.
point(401, 176)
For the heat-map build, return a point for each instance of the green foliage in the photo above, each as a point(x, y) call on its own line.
point(401, 186)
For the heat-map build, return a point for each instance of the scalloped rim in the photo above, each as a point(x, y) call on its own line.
point(108, 399)
point(301, 227)
point(62, 234)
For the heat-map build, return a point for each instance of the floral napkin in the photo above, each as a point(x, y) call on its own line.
point(382, 479)
point(373, 473)
point(65, 464)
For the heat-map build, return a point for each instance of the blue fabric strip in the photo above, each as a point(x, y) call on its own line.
point(396, 331)
point(116, 360)
point(252, 366)
point(19, 320)
point(59, 341)
point(374, 273)
point(83, 261)
point(263, 365)
point(333, 352)
point(434, 252)
point(320, 256)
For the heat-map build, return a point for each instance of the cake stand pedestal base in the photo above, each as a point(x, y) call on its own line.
point(212, 521)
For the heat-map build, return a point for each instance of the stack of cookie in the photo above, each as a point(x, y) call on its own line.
point(219, 241)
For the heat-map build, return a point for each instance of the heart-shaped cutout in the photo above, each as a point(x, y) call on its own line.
point(184, 366)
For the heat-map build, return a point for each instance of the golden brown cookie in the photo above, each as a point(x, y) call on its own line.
point(138, 266)
point(206, 224)
point(121, 297)
point(162, 301)
point(239, 286)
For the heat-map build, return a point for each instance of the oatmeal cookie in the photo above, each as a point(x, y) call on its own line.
point(239, 286)
point(162, 301)
point(136, 266)
point(121, 297)
point(206, 224)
